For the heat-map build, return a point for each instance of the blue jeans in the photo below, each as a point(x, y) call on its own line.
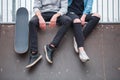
point(64, 22)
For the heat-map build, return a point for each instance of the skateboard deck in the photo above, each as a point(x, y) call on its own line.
point(21, 31)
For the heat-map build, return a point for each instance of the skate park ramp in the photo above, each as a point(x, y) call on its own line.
point(102, 46)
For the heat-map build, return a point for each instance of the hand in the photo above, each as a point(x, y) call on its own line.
point(53, 21)
point(42, 23)
point(83, 19)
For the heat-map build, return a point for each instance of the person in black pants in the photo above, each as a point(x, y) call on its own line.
point(80, 12)
point(53, 11)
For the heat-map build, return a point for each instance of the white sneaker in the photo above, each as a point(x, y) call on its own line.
point(83, 56)
point(75, 45)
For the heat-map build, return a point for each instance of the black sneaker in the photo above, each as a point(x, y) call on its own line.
point(49, 53)
point(33, 60)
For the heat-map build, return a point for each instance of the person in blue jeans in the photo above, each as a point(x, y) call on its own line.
point(47, 10)
point(80, 13)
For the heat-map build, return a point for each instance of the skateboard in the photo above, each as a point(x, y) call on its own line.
point(21, 31)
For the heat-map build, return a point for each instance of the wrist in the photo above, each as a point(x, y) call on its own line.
point(84, 15)
point(40, 17)
point(57, 15)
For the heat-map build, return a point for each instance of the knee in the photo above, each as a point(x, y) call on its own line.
point(76, 20)
point(96, 15)
point(32, 22)
point(67, 20)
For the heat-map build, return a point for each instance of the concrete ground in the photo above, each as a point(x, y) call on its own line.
point(102, 46)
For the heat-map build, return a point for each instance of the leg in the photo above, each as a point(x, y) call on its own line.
point(92, 20)
point(65, 22)
point(77, 29)
point(34, 57)
point(79, 37)
point(33, 27)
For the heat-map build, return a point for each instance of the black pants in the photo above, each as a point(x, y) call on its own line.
point(80, 33)
point(64, 22)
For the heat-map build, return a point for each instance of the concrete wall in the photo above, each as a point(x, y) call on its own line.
point(102, 46)
point(108, 9)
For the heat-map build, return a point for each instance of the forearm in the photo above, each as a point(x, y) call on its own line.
point(84, 15)
point(57, 15)
point(38, 14)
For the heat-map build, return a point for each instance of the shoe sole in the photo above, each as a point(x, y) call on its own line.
point(84, 61)
point(30, 65)
point(47, 55)
point(75, 45)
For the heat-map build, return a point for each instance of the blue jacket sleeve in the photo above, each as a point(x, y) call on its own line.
point(69, 2)
point(87, 6)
